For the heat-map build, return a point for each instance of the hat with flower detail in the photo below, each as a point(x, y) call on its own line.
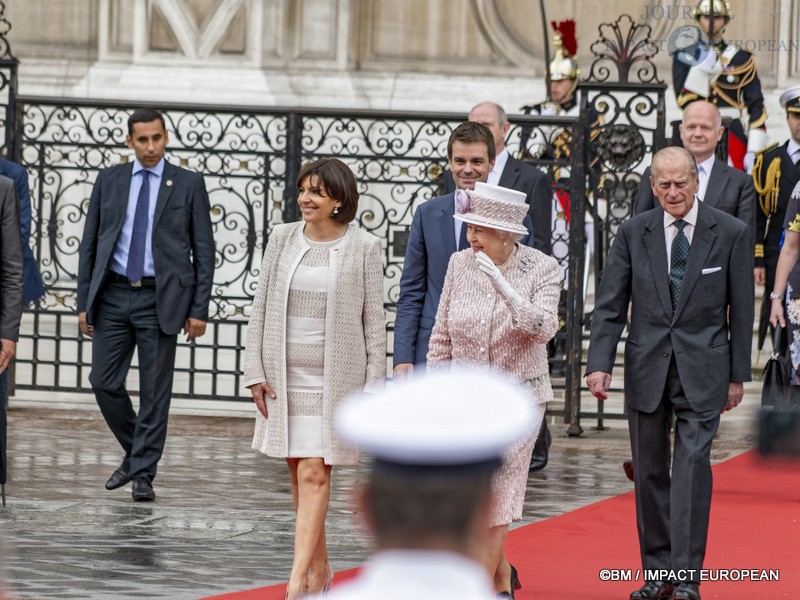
point(493, 207)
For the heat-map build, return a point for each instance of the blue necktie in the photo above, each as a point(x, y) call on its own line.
point(677, 269)
point(462, 238)
point(135, 268)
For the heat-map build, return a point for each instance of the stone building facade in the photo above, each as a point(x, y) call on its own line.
point(384, 54)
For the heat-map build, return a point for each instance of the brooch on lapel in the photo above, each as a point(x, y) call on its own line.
point(526, 263)
point(169, 182)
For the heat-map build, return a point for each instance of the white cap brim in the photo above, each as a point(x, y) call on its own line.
point(453, 418)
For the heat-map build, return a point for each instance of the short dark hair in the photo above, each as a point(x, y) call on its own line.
point(408, 508)
point(470, 132)
point(339, 183)
point(145, 115)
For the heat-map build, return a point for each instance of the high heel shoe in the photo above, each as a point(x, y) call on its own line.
point(328, 582)
point(515, 582)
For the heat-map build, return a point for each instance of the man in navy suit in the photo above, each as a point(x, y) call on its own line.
point(146, 269)
point(513, 173)
point(434, 236)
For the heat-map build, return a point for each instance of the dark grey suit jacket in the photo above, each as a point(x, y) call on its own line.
point(10, 262)
point(183, 243)
point(525, 178)
point(729, 190)
point(710, 333)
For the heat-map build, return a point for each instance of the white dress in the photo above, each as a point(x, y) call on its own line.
point(305, 350)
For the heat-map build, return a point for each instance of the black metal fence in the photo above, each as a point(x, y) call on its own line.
point(249, 158)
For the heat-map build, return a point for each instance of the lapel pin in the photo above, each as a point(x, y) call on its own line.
point(169, 182)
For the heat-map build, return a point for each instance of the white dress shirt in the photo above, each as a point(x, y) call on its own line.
point(497, 171)
point(793, 150)
point(703, 173)
point(670, 231)
point(415, 575)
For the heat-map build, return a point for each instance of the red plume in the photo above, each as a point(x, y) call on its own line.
point(567, 30)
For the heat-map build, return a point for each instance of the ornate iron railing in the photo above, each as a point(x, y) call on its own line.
point(249, 158)
point(632, 113)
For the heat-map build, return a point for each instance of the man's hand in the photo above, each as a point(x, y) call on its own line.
point(84, 326)
point(260, 391)
point(598, 383)
point(760, 274)
point(403, 370)
point(6, 353)
point(194, 328)
point(735, 394)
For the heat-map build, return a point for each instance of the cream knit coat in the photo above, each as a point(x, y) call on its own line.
point(355, 333)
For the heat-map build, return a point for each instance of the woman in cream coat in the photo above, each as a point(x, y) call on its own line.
point(316, 334)
point(499, 309)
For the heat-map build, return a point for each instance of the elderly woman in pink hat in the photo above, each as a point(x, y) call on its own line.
point(499, 308)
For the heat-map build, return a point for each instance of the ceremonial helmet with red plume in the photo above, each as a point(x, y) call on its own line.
point(564, 64)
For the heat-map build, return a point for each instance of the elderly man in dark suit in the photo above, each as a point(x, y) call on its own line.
point(686, 269)
point(719, 185)
point(145, 271)
point(433, 238)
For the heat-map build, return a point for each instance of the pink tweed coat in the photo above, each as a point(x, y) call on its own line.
point(474, 325)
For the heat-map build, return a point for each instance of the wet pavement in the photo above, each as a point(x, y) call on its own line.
point(222, 520)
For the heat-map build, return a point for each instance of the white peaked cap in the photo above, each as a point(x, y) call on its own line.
point(451, 418)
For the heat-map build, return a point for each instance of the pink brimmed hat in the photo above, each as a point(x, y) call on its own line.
point(492, 206)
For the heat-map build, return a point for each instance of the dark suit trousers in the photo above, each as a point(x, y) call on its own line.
point(672, 511)
point(125, 318)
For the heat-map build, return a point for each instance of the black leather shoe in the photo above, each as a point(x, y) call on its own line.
point(627, 466)
point(686, 591)
point(119, 477)
point(142, 491)
point(653, 590)
point(541, 449)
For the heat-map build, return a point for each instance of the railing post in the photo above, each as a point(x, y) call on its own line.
point(8, 87)
point(577, 250)
point(294, 156)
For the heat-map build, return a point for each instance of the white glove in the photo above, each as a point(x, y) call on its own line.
point(509, 295)
point(749, 159)
point(702, 75)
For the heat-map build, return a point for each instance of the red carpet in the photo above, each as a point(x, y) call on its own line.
point(755, 528)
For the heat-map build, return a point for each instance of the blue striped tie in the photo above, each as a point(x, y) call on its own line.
point(136, 250)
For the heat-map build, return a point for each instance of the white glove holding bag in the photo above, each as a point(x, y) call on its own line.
point(509, 295)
